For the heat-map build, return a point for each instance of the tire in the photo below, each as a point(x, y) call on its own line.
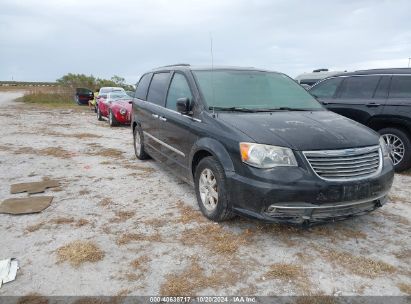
point(216, 210)
point(78, 101)
point(99, 117)
point(111, 119)
point(400, 141)
point(139, 144)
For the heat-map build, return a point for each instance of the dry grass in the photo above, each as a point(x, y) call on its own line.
point(215, 238)
point(62, 220)
point(84, 192)
point(127, 238)
point(140, 263)
point(405, 288)
point(82, 222)
point(188, 214)
point(194, 279)
point(50, 151)
point(122, 216)
point(404, 254)
point(35, 227)
point(285, 271)
point(143, 169)
point(108, 152)
point(105, 202)
point(359, 265)
point(79, 252)
point(337, 232)
point(33, 298)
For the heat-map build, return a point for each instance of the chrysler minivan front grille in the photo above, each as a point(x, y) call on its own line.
point(347, 164)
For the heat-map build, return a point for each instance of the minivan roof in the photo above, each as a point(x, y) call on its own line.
point(185, 66)
point(377, 71)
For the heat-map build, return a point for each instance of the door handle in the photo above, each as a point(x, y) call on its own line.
point(324, 102)
point(154, 115)
point(162, 118)
point(372, 104)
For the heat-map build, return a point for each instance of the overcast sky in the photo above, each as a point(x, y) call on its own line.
point(45, 39)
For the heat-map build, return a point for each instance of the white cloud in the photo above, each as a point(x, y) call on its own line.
point(42, 40)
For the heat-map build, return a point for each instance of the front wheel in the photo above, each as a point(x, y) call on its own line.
point(139, 144)
point(399, 147)
point(211, 192)
point(111, 119)
point(99, 117)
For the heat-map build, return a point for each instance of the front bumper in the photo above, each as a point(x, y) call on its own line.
point(297, 196)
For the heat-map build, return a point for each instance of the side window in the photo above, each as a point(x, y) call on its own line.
point(400, 87)
point(158, 88)
point(359, 87)
point(179, 88)
point(141, 90)
point(326, 88)
point(382, 89)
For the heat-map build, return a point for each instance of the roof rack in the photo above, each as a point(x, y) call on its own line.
point(177, 64)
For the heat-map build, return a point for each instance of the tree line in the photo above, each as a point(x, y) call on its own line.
point(83, 81)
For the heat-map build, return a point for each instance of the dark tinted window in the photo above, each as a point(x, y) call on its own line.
point(400, 87)
point(326, 88)
point(141, 91)
point(382, 89)
point(359, 87)
point(158, 88)
point(179, 88)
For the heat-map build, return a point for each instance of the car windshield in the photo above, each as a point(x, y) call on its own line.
point(119, 95)
point(253, 90)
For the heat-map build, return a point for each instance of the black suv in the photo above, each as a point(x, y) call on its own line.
point(255, 143)
point(379, 99)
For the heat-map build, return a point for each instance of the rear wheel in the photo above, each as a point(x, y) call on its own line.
point(399, 147)
point(111, 119)
point(139, 144)
point(210, 187)
point(99, 117)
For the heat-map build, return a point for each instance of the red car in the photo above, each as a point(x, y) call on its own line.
point(116, 107)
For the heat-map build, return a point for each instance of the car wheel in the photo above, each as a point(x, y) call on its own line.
point(399, 147)
point(111, 119)
point(210, 187)
point(99, 114)
point(78, 100)
point(139, 144)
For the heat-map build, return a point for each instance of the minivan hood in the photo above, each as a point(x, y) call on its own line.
point(302, 130)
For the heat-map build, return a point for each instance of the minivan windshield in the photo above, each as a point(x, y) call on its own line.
point(244, 90)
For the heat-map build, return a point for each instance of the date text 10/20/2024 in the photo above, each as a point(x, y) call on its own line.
point(232, 299)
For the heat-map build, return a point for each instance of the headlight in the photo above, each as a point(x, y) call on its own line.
point(265, 156)
point(384, 148)
point(123, 111)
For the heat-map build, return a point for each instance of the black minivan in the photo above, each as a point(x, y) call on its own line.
point(255, 143)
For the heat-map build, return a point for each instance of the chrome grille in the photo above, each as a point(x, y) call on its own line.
point(347, 164)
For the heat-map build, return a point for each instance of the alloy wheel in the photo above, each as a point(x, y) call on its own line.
point(208, 189)
point(395, 146)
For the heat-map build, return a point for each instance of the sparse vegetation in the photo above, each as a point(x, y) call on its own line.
point(405, 288)
point(79, 252)
point(285, 271)
point(359, 265)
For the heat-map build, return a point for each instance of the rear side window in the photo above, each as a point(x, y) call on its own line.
point(359, 87)
point(141, 90)
point(158, 88)
point(179, 88)
point(326, 88)
point(400, 87)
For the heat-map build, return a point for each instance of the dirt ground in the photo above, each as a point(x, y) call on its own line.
point(120, 226)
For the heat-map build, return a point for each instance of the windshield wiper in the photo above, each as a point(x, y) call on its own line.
point(282, 109)
point(236, 109)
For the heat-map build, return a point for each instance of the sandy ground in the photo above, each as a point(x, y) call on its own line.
point(142, 233)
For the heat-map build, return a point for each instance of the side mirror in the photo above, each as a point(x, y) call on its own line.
point(183, 105)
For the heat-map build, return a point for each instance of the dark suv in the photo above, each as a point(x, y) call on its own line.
point(255, 143)
point(379, 99)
